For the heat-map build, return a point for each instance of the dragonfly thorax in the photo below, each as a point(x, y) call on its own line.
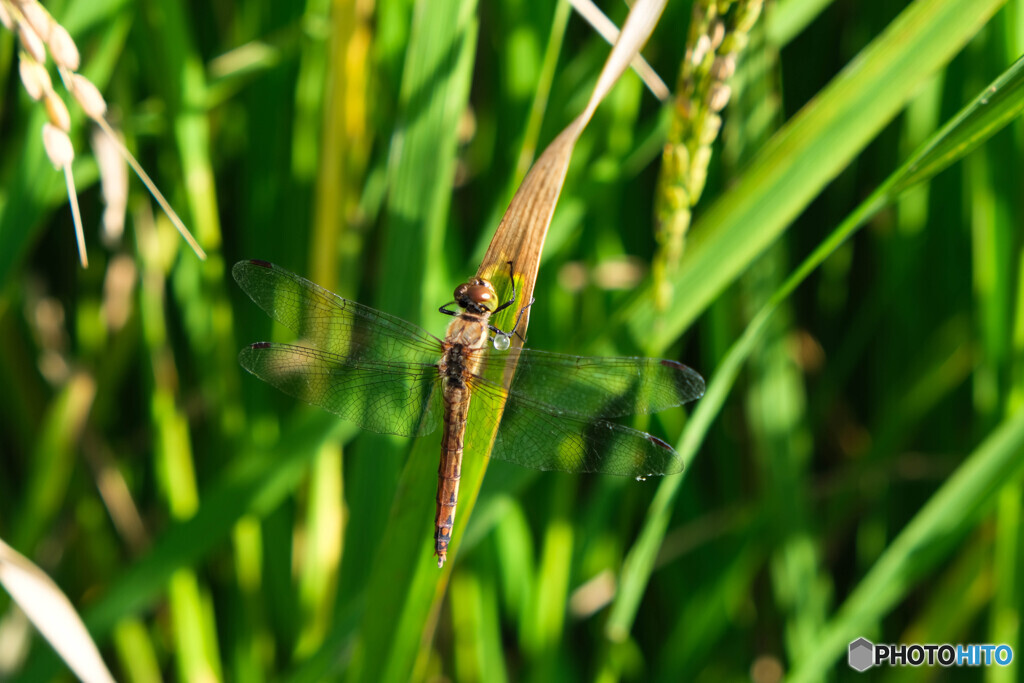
point(467, 335)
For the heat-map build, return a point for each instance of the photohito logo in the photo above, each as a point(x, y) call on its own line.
point(864, 654)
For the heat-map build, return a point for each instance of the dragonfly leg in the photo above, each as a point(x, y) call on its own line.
point(508, 303)
point(444, 309)
point(512, 279)
point(514, 330)
point(514, 327)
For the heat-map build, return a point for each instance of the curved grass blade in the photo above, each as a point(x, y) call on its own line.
point(804, 156)
point(924, 543)
point(258, 480)
point(401, 580)
point(947, 146)
point(998, 104)
point(52, 614)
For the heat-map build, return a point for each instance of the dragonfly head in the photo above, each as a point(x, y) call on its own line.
point(476, 296)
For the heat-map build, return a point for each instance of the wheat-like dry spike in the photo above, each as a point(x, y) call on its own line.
point(41, 35)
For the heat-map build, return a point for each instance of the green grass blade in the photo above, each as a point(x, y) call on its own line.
point(925, 542)
point(807, 153)
point(640, 560)
point(255, 483)
point(434, 92)
point(996, 106)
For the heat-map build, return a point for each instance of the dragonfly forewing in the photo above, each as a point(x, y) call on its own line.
point(326, 321)
point(384, 397)
point(364, 365)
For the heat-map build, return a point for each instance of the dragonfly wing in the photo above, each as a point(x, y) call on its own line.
point(385, 397)
point(326, 321)
point(537, 435)
point(595, 386)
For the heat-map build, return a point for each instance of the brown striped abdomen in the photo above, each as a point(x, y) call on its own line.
point(450, 470)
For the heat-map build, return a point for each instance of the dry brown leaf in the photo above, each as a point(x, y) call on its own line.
point(520, 235)
point(610, 32)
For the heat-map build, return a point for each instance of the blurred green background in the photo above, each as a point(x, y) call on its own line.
point(860, 477)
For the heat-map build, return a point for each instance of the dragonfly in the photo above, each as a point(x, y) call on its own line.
point(390, 376)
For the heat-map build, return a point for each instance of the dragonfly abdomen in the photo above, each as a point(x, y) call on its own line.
point(467, 334)
point(449, 470)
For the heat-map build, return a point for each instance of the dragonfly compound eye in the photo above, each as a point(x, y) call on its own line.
point(478, 294)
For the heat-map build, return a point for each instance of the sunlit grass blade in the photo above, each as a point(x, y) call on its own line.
point(544, 619)
point(53, 460)
point(790, 17)
point(639, 562)
point(806, 154)
point(476, 627)
point(136, 652)
point(258, 480)
point(402, 579)
point(925, 542)
point(996, 106)
point(388, 651)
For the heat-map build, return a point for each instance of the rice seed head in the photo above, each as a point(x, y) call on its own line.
point(719, 30)
point(88, 96)
point(5, 17)
point(735, 42)
point(700, 50)
point(723, 67)
point(113, 183)
point(747, 15)
point(58, 146)
point(717, 34)
point(38, 18)
point(712, 126)
point(31, 41)
point(676, 158)
point(719, 97)
point(699, 171)
point(34, 76)
point(63, 48)
point(38, 31)
point(57, 111)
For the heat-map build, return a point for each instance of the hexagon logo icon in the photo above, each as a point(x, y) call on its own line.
point(862, 654)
